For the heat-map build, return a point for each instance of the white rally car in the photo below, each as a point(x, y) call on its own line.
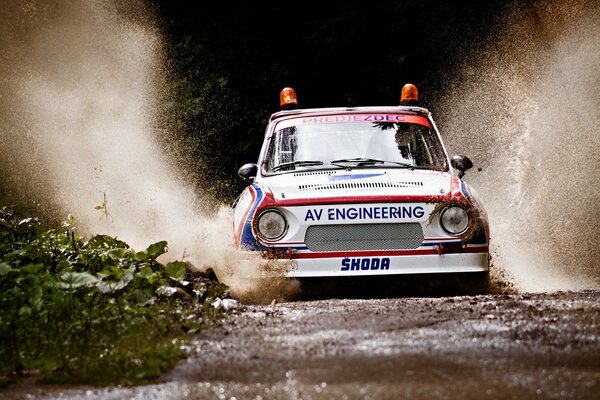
point(359, 191)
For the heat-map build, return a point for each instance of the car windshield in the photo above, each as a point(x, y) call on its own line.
point(403, 142)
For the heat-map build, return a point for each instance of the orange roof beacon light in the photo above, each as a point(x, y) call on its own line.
point(409, 95)
point(288, 99)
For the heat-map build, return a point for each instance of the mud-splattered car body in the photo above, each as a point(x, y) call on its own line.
point(347, 192)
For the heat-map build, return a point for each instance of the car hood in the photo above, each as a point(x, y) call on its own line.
point(357, 183)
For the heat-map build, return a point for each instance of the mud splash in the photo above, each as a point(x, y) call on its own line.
point(84, 133)
point(525, 107)
point(82, 129)
point(81, 132)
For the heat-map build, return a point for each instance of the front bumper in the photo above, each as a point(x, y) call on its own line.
point(357, 264)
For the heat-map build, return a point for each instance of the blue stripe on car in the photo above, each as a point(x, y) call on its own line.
point(247, 240)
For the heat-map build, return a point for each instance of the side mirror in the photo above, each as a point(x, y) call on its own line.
point(461, 163)
point(248, 172)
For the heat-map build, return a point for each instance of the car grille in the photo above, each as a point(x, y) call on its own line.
point(358, 185)
point(364, 237)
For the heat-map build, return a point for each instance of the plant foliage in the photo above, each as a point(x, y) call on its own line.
point(93, 310)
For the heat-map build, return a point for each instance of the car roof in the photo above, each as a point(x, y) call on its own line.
point(350, 110)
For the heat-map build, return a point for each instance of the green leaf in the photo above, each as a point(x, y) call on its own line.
point(32, 269)
point(176, 270)
point(5, 268)
point(146, 273)
point(63, 264)
point(36, 298)
point(78, 279)
point(15, 255)
point(144, 297)
point(141, 256)
point(24, 311)
point(112, 272)
point(109, 287)
point(156, 249)
point(117, 254)
point(105, 241)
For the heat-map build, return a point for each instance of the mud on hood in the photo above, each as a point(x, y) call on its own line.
point(364, 182)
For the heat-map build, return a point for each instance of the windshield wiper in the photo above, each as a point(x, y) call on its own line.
point(299, 163)
point(402, 164)
point(368, 161)
point(359, 160)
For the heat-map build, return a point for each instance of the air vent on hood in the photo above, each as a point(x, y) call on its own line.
point(315, 173)
point(359, 185)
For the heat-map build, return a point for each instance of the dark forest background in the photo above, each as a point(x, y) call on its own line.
point(229, 62)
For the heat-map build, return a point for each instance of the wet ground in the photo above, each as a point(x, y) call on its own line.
point(518, 346)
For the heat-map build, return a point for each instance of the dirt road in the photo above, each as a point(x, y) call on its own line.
point(522, 346)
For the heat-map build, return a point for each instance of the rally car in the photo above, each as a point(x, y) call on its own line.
point(359, 191)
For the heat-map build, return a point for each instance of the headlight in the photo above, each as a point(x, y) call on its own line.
point(271, 225)
point(454, 219)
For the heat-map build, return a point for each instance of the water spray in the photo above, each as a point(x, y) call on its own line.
point(527, 110)
point(80, 109)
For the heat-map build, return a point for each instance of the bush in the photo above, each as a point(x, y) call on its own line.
point(93, 311)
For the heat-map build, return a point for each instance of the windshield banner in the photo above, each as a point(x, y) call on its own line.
point(348, 118)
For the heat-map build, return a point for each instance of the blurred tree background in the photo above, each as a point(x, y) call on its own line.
point(229, 63)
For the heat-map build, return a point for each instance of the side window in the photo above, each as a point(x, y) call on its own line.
point(419, 144)
point(282, 147)
point(434, 147)
point(287, 145)
point(421, 151)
